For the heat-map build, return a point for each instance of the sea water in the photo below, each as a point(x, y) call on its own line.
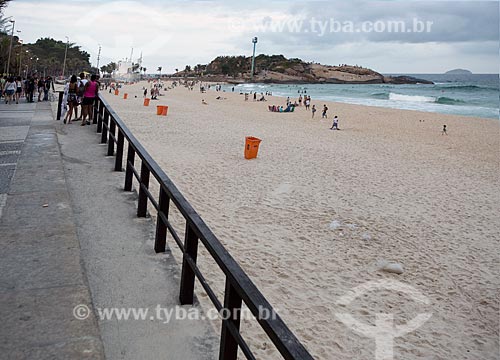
point(469, 95)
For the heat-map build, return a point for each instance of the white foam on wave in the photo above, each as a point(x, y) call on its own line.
point(247, 85)
point(412, 98)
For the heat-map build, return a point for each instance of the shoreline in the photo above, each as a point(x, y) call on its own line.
point(422, 112)
point(332, 102)
point(362, 102)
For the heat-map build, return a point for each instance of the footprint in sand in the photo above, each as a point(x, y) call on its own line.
point(279, 194)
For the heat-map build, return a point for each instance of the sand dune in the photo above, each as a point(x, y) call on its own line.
point(314, 215)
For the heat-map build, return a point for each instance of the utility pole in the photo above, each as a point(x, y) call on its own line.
point(10, 47)
point(65, 55)
point(254, 41)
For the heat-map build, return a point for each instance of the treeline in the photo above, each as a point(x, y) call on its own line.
point(45, 56)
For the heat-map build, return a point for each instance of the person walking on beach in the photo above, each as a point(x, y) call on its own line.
point(313, 111)
point(335, 125)
point(444, 130)
point(324, 115)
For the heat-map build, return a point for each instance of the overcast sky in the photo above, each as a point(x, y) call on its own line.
point(438, 35)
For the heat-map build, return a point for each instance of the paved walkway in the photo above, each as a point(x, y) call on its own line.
point(69, 236)
point(41, 277)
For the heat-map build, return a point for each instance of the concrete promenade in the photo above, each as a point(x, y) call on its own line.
point(69, 238)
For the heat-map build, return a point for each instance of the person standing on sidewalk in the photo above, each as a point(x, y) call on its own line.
point(9, 90)
point(41, 89)
point(47, 85)
point(91, 90)
point(2, 84)
point(71, 89)
point(19, 89)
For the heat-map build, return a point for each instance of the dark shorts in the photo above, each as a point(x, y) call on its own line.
point(19, 90)
point(87, 101)
point(72, 99)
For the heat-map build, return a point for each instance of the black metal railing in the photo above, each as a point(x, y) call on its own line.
point(238, 286)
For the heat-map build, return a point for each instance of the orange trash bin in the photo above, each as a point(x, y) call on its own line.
point(251, 147)
point(146, 102)
point(164, 110)
point(117, 92)
point(125, 96)
point(159, 109)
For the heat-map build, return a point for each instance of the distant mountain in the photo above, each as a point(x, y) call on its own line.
point(458, 72)
point(279, 69)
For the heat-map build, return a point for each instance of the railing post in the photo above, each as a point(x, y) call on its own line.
point(99, 117)
point(142, 206)
point(128, 168)
point(228, 349)
point(104, 134)
point(59, 103)
point(119, 151)
point(187, 276)
point(161, 228)
point(112, 132)
point(95, 110)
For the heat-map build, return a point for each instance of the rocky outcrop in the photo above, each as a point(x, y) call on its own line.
point(405, 80)
point(278, 69)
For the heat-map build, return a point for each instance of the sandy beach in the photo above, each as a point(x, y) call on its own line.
point(319, 211)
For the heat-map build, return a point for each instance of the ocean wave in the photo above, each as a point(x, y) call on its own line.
point(448, 101)
point(380, 95)
point(467, 88)
point(412, 98)
point(421, 99)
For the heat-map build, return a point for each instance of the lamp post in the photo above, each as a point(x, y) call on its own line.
point(10, 47)
point(254, 41)
point(36, 65)
point(65, 55)
point(20, 53)
point(28, 65)
point(98, 58)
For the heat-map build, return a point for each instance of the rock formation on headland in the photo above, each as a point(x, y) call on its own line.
point(278, 69)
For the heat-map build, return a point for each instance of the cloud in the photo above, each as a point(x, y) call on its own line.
point(175, 33)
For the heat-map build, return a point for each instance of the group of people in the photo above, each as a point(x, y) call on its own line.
point(81, 92)
point(154, 91)
point(275, 108)
point(290, 107)
point(13, 88)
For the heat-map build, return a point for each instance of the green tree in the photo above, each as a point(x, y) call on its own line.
point(3, 5)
